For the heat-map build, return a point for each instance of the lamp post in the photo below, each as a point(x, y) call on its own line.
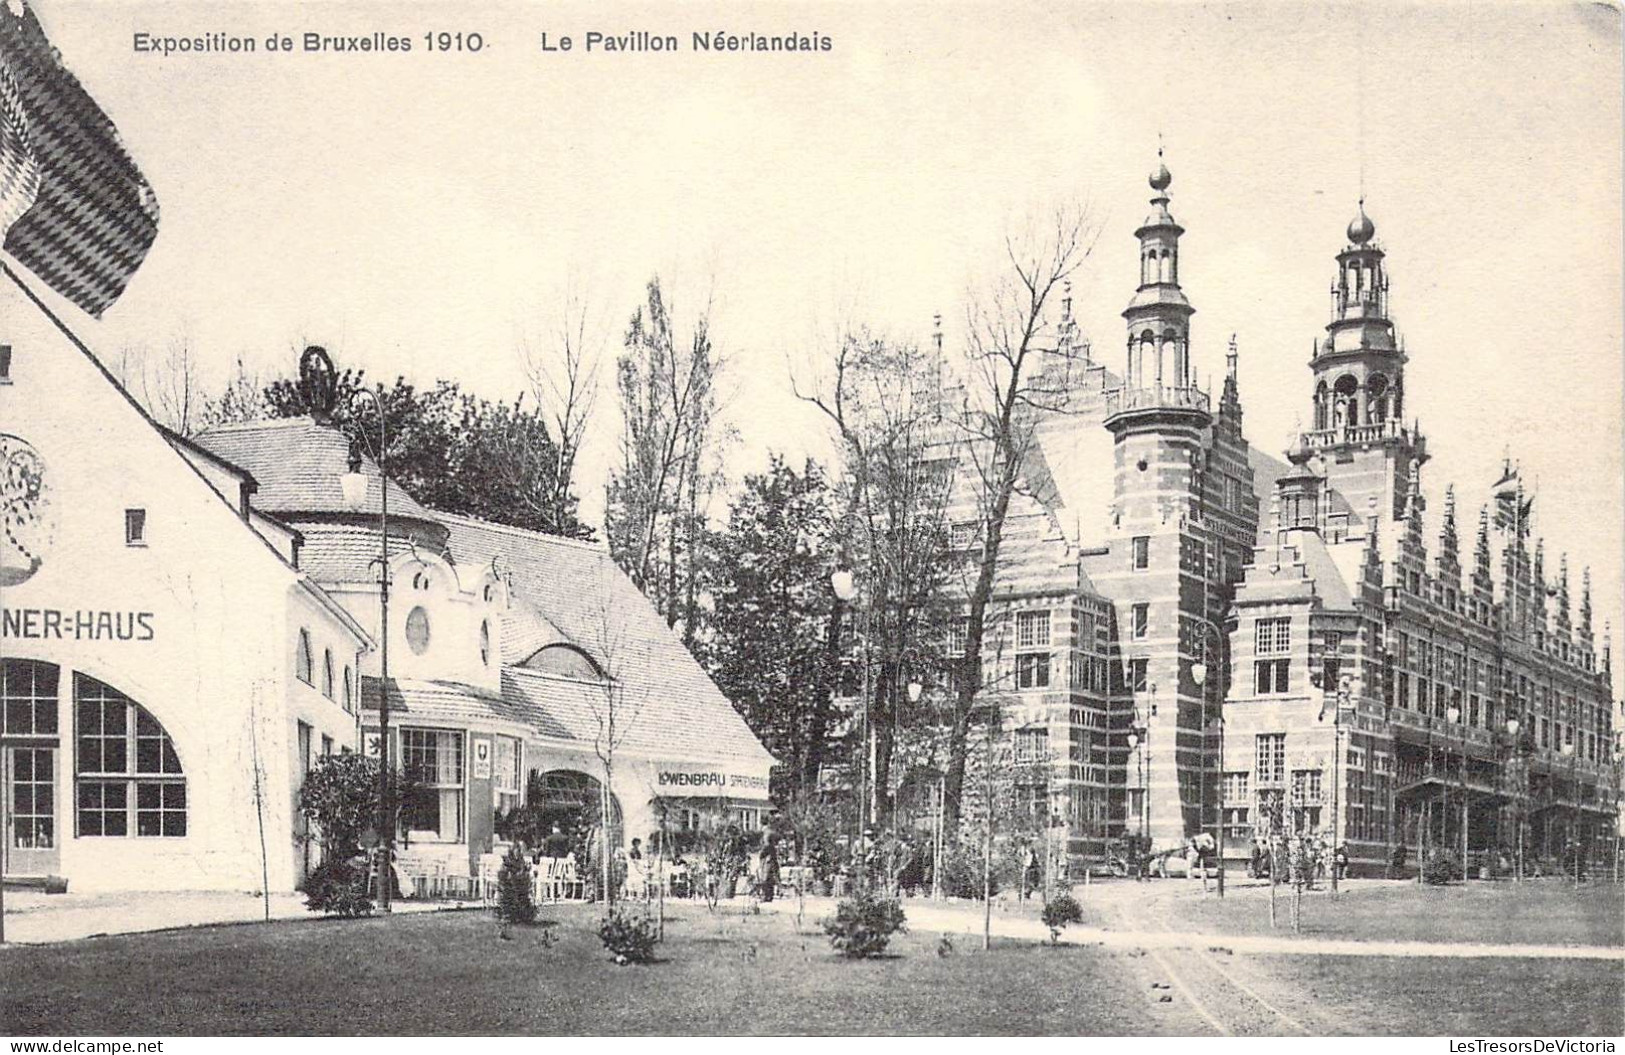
point(1199, 674)
point(1454, 717)
point(1574, 806)
point(1513, 751)
point(1136, 738)
point(354, 484)
point(846, 591)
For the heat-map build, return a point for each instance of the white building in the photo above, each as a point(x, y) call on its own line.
point(186, 625)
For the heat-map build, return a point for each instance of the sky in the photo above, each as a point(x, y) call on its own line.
point(424, 213)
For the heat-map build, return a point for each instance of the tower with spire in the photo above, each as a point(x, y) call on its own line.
point(1359, 435)
point(1183, 520)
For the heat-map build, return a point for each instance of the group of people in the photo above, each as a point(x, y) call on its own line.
point(644, 871)
point(1320, 855)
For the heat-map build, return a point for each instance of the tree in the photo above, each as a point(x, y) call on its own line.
point(770, 597)
point(883, 401)
point(615, 710)
point(655, 515)
point(1006, 395)
point(564, 382)
point(455, 452)
point(168, 384)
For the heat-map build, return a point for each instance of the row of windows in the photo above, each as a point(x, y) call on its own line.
point(305, 669)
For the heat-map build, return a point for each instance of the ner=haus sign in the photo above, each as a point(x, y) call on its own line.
point(56, 624)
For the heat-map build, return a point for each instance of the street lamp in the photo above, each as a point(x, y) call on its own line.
point(1136, 737)
point(1574, 808)
point(1454, 717)
point(354, 485)
point(846, 591)
point(1512, 747)
point(1199, 676)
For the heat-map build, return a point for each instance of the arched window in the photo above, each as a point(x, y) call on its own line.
point(128, 778)
point(1165, 270)
point(1320, 406)
point(1376, 392)
point(566, 659)
point(485, 642)
point(1344, 411)
point(349, 690)
point(305, 662)
point(327, 673)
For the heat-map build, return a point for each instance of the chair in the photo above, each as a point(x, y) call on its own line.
point(570, 884)
point(544, 880)
point(490, 876)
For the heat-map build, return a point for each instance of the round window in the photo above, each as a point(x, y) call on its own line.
point(417, 630)
point(485, 642)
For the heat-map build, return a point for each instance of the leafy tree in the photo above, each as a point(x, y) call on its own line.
point(771, 608)
point(453, 451)
point(658, 496)
point(883, 401)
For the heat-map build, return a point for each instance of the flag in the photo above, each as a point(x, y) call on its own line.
point(1512, 507)
point(19, 173)
point(93, 215)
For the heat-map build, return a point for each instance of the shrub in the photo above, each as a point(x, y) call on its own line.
point(1058, 912)
point(339, 888)
point(863, 925)
point(1440, 869)
point(514, 901)
point(629, 935)
point(962, 871)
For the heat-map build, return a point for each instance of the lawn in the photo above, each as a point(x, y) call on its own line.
point(1433, 996)
point(733, 973)
point(1543, 912)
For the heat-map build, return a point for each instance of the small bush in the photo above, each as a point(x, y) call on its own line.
point(1058, 912)
point(863, 925)
point(339, 888)
point(962, 872)
point(629, 935)
point(514, 901)
point(1440, 869)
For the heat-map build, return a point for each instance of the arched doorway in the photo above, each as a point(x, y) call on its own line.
point(572, 802)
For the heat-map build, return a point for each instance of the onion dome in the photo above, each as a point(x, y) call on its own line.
point(1361, 229)
point(1161, 178)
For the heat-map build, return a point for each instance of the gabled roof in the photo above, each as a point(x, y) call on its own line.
point(578, 590)
point(297, 464)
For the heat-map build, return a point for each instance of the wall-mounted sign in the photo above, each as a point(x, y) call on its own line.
point(710, 782)
point(371, 742)
point(482, 760)
point(57, 624)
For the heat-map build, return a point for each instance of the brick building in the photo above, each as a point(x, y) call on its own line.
point(1185, 628)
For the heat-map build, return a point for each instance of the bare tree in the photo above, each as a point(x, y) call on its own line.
point(1008, 388)
point(615, 710)
point(563, 377)
point(168, 384)
point(241, 400)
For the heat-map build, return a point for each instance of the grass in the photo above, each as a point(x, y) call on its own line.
point(1430, 996)
point(449, 974)
point(1546, 912)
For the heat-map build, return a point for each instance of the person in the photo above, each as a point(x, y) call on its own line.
point(637, 851)
point(1031, 877)
point(1342, 862)
point(770, 867)
point(555, 845)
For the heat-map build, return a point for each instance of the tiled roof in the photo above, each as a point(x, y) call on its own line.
point(579, 591)
point(445, 701)
point(297, 464)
